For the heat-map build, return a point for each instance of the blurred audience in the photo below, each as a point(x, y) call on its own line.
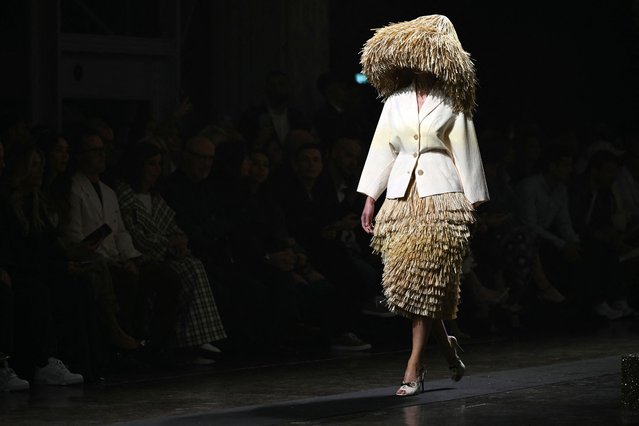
point(251, 229)
point(594, 208)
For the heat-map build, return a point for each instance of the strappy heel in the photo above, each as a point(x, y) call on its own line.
point(457, 368)
point(412, 388)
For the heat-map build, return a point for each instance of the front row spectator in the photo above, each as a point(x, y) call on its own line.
point(594, 206)
point(91, 267)
point(152, 225)
point(9, 380)
point(147, 292)
point(36, 273)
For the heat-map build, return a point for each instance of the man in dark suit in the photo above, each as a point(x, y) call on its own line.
point(271, 121)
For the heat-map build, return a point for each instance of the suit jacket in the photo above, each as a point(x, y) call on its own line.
point(87, 213)
point(436, 145)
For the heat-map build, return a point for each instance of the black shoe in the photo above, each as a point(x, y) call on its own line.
point(377, 307)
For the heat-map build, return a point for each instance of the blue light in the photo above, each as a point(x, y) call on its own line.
point(361, 78)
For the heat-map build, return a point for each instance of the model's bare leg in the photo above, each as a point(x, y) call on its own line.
point(414, 374)
point(421, 331)
point(441, 337)
point(449, 347)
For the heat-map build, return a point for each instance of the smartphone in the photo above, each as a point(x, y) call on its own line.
point(99, 234)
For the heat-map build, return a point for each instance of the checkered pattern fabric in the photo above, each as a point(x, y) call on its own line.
point(199, 321)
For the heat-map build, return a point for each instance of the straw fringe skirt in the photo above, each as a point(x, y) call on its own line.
point(422, 242)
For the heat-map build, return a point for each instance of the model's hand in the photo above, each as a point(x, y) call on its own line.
point(368, 214)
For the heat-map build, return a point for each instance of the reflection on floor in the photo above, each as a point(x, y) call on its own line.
point(565, 377)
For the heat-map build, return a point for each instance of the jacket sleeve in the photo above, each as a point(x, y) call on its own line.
point(467, 158)
point(380, 159)
point(123, 239)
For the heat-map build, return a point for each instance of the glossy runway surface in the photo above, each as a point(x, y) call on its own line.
point(567, 378)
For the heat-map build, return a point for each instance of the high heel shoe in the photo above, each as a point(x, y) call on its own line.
point(457, 368)
point(412, 388)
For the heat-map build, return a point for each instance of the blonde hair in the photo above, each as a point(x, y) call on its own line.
point(15, 175)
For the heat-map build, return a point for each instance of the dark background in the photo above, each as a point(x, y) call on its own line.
point(561, 64)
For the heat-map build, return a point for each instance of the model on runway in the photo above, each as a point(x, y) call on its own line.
point(424, 155)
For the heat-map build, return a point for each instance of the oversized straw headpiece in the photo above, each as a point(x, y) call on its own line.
point(426, 44)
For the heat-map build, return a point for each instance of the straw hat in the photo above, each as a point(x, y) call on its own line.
point(427, 44)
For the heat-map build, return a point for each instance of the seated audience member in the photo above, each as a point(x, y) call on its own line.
point(9, 380)
point(275, 117)
point(202, 211)
point(112, 151)
point(138, 282)
point(317, 224)
point(339, 178)
point(282, 169)
point(594, 206)
point(627, 186)
point(544, 206)
point(507, 250)
point(48, 303)
point(90, 267)
point(336, 117)
point(151, 223)
point(191, 194)
point(266, 244)
point(167, 135)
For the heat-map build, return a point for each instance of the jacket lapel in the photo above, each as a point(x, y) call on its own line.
point(431, 102)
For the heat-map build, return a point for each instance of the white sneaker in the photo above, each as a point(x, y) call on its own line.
point(56, 373)
point(200, 360)
point(9, 380)
point(349, 342)
point(603, 309)
point(210, 348)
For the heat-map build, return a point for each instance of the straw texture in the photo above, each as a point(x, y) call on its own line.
point(423, 242)
point(428, 45)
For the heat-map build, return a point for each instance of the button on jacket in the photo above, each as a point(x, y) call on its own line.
point(436, 145)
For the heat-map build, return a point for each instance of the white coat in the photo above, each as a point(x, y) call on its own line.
point(87, 214)
point(436, 145)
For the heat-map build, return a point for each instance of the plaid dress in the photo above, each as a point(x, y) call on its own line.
point(199, 321)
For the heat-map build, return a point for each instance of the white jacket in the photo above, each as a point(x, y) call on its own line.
point(87, 214)
point(435, 144)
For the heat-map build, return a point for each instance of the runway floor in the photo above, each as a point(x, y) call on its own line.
point(564, 377)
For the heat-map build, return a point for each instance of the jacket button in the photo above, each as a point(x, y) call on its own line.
point(420, 172)
point(415, 137)
point(415, 154)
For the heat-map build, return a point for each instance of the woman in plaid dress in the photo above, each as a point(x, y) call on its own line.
point(151, 223)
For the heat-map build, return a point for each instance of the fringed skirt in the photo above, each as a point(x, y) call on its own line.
point(423, 242)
